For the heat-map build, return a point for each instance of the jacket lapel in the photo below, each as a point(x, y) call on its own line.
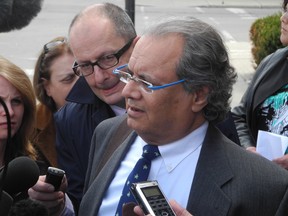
point(106, 175)
point(212, 171)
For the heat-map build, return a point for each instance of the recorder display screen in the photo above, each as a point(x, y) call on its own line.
point(151, 191)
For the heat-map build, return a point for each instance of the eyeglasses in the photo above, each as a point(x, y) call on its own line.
point(46, 49)
point(125, 76)
point(104, 62)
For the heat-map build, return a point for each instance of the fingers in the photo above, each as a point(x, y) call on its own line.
point(179, 210)
point(44, 193)
point(64, 184)
point(282, 161)
point(40, 188)
point(138, 211)
point(252, 149)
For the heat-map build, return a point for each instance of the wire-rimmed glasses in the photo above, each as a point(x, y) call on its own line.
point(125, 76)
point(104, 62)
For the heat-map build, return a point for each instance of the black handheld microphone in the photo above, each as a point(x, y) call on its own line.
point(22, 173)
point(6, 203)
point(15, 14)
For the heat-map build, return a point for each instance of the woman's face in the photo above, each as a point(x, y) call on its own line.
point(15, 105)
point(284, 27)
point(61, 80)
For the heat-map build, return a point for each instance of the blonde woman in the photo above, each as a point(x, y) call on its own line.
point(17, 92)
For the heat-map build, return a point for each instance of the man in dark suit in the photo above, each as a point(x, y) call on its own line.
point(178, 85)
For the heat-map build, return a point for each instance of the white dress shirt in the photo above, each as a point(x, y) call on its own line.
point(118, 110)
point(174, 170)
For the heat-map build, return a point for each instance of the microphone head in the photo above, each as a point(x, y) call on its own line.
point(22, 173)
point(28, 207)
point(17, 14)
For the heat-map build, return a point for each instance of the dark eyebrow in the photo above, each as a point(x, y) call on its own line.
point(101, 56)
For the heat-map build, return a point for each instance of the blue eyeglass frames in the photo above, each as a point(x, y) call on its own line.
point(123, 73)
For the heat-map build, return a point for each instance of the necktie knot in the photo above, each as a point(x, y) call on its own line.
point(150, 152)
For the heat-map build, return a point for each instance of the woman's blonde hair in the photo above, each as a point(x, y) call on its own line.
point(20, 141)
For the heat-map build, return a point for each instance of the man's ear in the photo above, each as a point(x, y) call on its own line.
point(200, 99)
point(135, 40)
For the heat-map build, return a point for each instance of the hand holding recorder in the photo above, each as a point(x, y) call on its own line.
point(48, 191)
point(179, 210)
point(54, 176)
point(152, 201)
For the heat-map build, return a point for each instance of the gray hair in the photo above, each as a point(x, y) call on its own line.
point(124, 26)
point(204, 62)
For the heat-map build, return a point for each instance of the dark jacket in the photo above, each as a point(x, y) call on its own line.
point(75, 123)
point(244, 114)
point(228, 181)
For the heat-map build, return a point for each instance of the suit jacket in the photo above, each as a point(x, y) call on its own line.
point(228, 179)
point(245, 113)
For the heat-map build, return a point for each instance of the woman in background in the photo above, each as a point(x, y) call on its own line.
point(17, 92)
point(264, 105)
point(52, 81)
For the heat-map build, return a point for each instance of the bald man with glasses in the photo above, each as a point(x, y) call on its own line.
point(101, 37)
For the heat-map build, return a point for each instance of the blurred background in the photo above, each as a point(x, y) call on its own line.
point(233, 19)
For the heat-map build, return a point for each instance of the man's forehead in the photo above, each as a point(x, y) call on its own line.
point(92, 34)
point(162, 46)
point(92, 22)
point(92, 48)
point(156, 52)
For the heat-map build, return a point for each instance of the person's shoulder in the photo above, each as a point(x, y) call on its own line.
point(273, 57)
point(113, 122)
point(282, 50)
point(70, 109)
point(254, 164)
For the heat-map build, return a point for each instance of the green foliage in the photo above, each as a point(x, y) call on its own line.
point(265, 36)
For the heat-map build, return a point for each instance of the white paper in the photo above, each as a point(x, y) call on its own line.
point(271, 145)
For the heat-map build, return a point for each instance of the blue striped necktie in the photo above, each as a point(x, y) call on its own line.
point(139, 173)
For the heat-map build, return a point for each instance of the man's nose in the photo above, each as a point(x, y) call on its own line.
point(100, 75)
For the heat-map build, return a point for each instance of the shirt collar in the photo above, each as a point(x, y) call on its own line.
point(118, 110)
point(175, 152)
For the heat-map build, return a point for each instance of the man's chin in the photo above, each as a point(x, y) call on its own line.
point(114, 100)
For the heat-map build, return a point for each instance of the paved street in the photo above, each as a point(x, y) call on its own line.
point(232, 18)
